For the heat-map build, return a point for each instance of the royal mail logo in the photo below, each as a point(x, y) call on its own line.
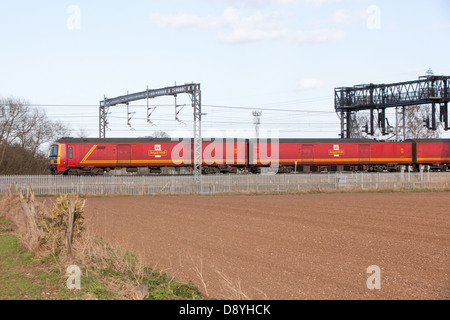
point(157, 152)
point(336, 152)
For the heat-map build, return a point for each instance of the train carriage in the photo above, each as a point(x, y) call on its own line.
point(307, 155)
point(145, 155)
point(432, 152)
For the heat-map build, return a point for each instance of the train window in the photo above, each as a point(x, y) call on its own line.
point(54, 151)
point(70, 153)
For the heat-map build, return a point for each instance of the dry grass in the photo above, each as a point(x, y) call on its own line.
point(13, 211)
point(124, 270)
point(232, 287)
point(109, 272)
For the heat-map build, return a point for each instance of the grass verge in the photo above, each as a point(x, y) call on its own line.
point(23, 276)
point(107, 273)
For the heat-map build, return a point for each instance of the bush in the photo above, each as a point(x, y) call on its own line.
point(65, 223)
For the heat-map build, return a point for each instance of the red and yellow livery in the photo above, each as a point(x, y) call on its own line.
point(153, 155)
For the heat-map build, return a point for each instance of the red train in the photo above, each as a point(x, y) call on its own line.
point(148, 155)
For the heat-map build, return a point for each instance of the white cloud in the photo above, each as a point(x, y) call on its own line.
point(320, 36)
point(238, 28)
point(310, 84)
point(345, 17)
point(188, 20)
point(258, 27)
point(233, 27)
point(242, 35)
point(265, 2)
point(317, 3)
point(260, 3)
point(177, 21)
point(341, 16)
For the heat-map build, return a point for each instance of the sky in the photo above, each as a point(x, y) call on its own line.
point(283, 58)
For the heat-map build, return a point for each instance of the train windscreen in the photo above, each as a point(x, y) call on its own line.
point(54, 151)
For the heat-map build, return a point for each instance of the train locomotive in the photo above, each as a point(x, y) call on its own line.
point(91, 156)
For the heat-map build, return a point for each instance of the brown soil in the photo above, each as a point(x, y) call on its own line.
point(288, 247)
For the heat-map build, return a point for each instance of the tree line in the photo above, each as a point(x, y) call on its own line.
point(24, 133)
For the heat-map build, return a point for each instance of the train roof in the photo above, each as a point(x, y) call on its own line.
point(117, 140)
point(439, 140)
point(281, 140)
point(149, 140)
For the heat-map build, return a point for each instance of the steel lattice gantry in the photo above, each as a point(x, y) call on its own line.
point(192, 89)
point(377, 97)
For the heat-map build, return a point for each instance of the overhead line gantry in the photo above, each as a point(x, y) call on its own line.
point(430, 89)
point(192, 89)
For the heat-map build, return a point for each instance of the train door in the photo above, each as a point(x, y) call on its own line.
point(364, 153)
point(417, 152)
point(123, 155)
point(71, 159)
point(308, 154)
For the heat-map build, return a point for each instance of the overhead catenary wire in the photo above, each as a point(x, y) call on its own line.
point(213, 106)
point(220, 116)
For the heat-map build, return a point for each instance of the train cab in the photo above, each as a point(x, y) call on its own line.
point(57, 162)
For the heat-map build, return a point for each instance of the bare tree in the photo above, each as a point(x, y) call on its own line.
point(59, 130)
point(415, 127)
point(360, 123)
point(33, 130)
point(12, 112)
point(24, 131)
point(160, 134)
point(82, 133)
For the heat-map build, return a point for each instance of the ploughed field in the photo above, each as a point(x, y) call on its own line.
point(289, 247)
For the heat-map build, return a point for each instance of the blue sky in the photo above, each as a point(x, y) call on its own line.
point(255, 54)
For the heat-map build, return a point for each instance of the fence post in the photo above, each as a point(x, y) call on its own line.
point(29, 211)
point(362, 180)
point(69, 233)
point(378, 180)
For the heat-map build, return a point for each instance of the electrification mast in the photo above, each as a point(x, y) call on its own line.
point(195, 94)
